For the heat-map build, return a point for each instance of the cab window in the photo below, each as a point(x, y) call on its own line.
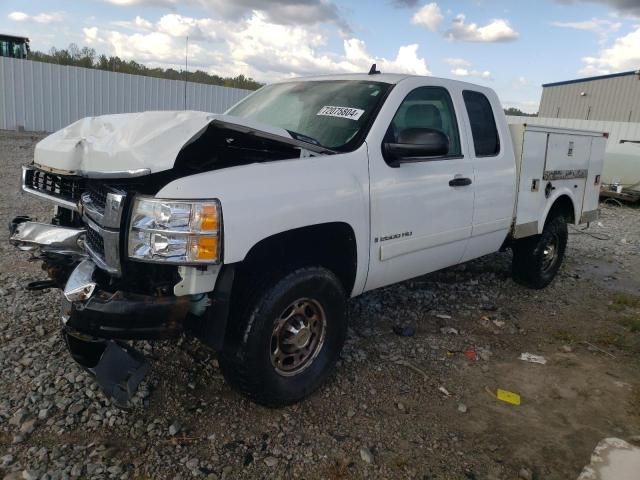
point(427, 107)
point(486, 140)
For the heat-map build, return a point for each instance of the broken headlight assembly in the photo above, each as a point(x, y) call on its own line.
point(175, 231)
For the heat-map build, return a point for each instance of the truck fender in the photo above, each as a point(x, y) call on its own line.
point(263, 200)
point(551, 201)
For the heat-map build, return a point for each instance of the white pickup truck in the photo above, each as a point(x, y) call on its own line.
point(251, 229)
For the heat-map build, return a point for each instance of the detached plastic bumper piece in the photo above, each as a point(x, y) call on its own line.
point(117, 368)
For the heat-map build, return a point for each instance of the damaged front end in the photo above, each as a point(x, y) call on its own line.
point(133, 266)
point(118, 369)
point(108, 299)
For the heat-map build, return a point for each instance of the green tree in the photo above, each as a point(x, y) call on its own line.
point(87, 58)
point(518, 113)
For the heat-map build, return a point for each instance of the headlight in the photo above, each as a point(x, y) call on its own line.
point(175, 231)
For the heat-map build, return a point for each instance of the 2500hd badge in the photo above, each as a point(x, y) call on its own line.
point(392, 237)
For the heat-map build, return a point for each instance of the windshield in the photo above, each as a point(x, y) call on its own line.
point(333, 113)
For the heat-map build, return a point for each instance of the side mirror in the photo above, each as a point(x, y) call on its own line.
point(415, 145)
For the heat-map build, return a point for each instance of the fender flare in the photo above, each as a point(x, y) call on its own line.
point(551, 201)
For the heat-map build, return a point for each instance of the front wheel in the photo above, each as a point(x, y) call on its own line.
point(537, 259)
point(290, 336)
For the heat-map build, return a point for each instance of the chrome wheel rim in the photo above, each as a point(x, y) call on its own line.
point(298, 336)
point(549, 253)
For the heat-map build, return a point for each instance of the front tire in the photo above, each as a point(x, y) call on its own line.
point(290, 335)
point(537, 259)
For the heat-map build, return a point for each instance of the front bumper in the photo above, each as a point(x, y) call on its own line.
point(96, 314)
point(127, 316)
point(28, 236)
point(91, 309)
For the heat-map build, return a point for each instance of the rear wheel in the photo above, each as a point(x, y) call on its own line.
point(289, 337)
point(537, 259)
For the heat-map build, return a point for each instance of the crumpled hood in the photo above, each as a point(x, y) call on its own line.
point(134, 144)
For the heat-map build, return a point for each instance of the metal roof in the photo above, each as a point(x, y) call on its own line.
point(590, 79)
point(6, 36)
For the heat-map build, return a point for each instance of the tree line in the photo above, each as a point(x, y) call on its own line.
point(88, 58)
point(518, 113)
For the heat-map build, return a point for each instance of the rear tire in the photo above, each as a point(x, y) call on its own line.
point(289, 337)
point(537, 259)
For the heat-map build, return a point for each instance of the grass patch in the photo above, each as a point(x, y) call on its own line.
point(631, 323)
point(622, 301)
point(610, 340)
point(563, 336)
point(338, 470)
point(634, 401)
point(625, 342)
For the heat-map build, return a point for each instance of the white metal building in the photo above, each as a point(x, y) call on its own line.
point(612, 98)
point(609, 103)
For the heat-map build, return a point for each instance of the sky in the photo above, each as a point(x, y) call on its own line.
point(511, 46)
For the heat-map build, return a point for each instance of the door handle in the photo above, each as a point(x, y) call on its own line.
point(459, 182)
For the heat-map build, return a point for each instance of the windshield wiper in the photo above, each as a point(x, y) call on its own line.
point(305, 138)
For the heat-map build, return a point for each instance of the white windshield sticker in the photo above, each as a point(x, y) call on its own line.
point(340, 112)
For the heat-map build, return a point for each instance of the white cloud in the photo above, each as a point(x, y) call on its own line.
point(428, 16)
point(44, 17)
point(18, 16)
point(593, 25)
point(601, 27)
point(460, 72)
point(624, 54)
point(48, 17)
point(90, 34)
point(457, 62)
point(462, 68)
point(285, 12)
point(464, 72)
point(498, 30)
point(255, 47)
point(179, 26)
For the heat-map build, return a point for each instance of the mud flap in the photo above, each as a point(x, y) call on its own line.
point(117, 368)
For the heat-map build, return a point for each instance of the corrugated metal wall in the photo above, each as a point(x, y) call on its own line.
point(615, 99)
point(45, 97)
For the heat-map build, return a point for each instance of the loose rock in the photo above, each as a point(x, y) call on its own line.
point(366, 455)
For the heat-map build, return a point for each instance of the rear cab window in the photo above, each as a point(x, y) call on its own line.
point(486, 140)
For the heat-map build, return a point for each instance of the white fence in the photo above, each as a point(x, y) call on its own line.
point(46, 97)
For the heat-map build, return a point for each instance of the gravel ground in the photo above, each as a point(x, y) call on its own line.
point(397, 407)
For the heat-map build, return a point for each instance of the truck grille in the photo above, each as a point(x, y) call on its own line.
point(98, 194)
point(101, 204)
point(95, 242)
point(65, 188)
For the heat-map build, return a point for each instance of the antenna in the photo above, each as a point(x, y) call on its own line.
point(186, 70)
point(373, 71)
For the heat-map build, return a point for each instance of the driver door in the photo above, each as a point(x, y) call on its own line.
point(421, 213)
